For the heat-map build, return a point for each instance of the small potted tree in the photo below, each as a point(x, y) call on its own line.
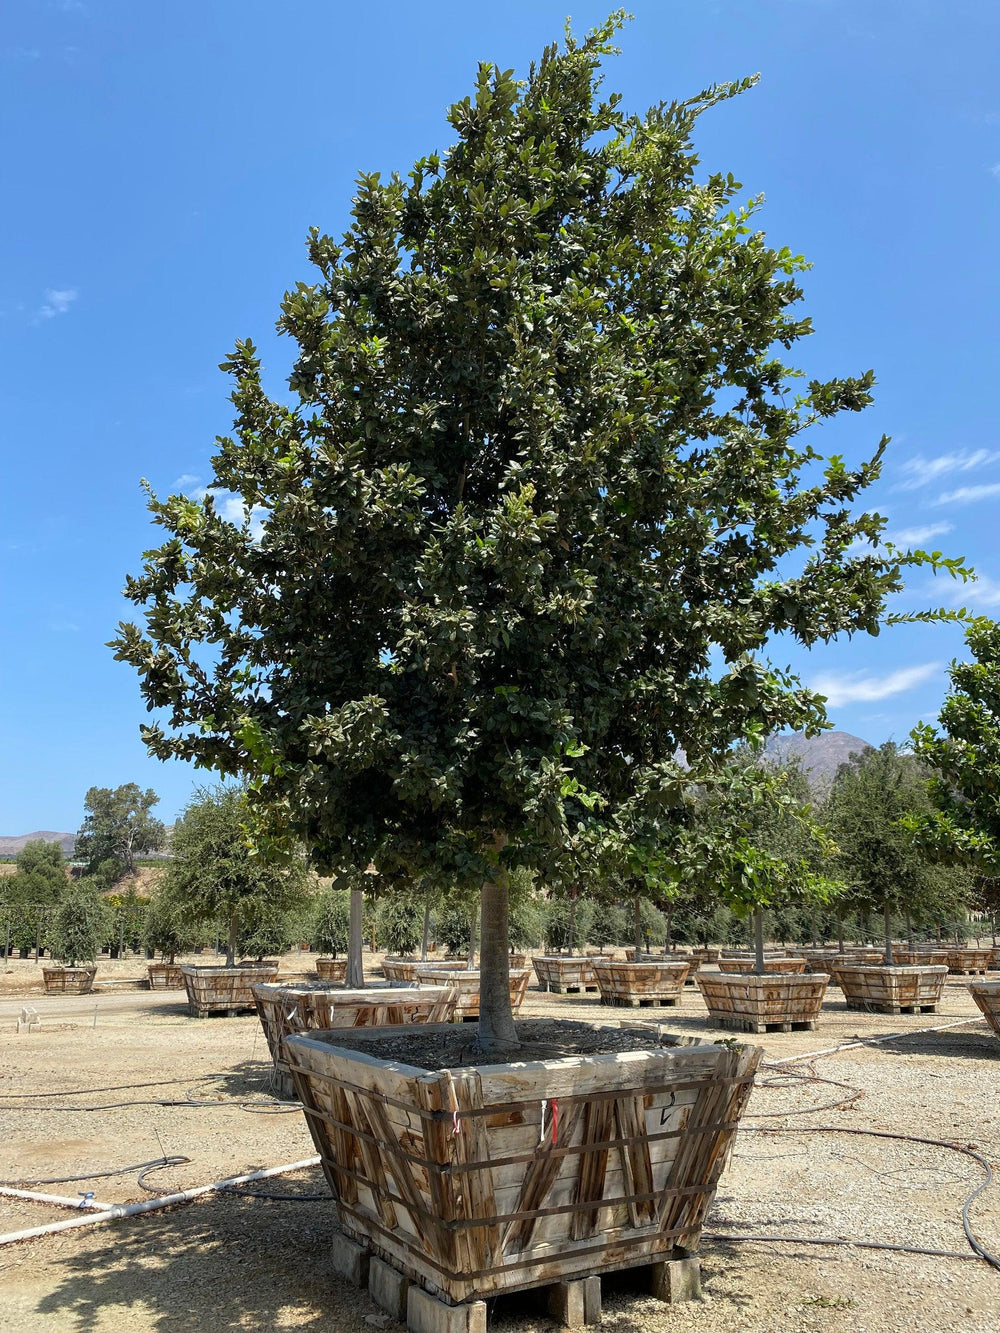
point(167, 933)
point(756, 840)
point(80, 923)
point(219, 873)
point(871, 804)
point(331, 930)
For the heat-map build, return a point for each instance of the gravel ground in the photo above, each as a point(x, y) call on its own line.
point(228, 1263)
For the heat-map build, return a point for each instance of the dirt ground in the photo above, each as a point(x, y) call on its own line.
point(228, 1263)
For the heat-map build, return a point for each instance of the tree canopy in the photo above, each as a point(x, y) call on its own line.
point(117, 828)
point(965, 760)
point(40, 877)
point(217, 873)
point(540, 500)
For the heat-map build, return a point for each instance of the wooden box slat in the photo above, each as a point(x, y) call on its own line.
point(987, 996)
point(466, 986)
point(165, 976)
point(749, 964)
point(68, 980)
point(332, 970)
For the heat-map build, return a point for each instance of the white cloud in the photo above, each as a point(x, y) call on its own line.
point(918, 535)
point(982, 591)
point(967, 494)
point(184, 482)
point(918, 472)
point(857, 687)
point(995, 170)
point(57, 301)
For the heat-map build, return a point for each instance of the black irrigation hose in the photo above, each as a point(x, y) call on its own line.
point(811, 1077)
point(142, 1167)
point(978, 1247)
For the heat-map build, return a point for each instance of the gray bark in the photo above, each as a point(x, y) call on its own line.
point(231, 941)
point(497, 1033)
point(637, 926)
point(887, 921)
point(427, 933)
point(758, 942)
point(571, 923)
point(355, 941)
point(473, 933)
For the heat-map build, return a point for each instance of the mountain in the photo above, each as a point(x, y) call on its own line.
point(820, 756)
point(11, 846)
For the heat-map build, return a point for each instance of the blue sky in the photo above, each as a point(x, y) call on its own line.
point(162, 164)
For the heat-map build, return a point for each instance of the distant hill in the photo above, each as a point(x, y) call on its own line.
point(820, 756)
point(11, 846)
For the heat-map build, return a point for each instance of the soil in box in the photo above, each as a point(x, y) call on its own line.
point(641, 984)
point(599, 1149)
point(284, 1010)
point(785, 1002)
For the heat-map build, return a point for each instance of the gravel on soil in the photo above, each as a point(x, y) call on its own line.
point(229, 1263)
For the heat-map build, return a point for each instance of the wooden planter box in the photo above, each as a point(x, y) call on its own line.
point(862, 953)
point(519, 960)
point(891, 990)
point(332, 970)
point(749, 964)
point(284, 1010)
point(641, 984)
point(905, 957)
point(226, 990)
point(706, 953)
point(479, 1180)
point(466, 987)
point(564, 974)
point(968, 961)
point(165, 976)
point(776, 1002)
point(68, 980)
point(819, 960)
point(399, 969)
point(987, 996)
point(675, 956)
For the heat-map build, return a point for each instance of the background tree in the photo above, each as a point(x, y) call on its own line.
point(117, 828)
point(964, 759)
point(218, 874)
point(167, 928)
point(80, 924)
point(542, 473)
point(40, 876)
point(873, 800)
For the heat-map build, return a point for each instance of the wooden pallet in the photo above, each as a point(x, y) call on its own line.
point(735, 1023)
point(640, 984)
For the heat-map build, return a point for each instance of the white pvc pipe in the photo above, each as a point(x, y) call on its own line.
point(118, 1210)
point(869, 1041)
point(62, 1200)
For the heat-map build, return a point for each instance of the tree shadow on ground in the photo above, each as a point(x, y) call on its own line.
point(220, 1264)
point(974, 1043)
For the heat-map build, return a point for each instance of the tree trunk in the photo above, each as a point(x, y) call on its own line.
point(909, 930)
point(427, 933)
point(887, 921)
point(667, 941)
point(231, 941)
point(355, 978)
point(473, 934)
point(758, 941)
point(637, 926)
point(840, 932)
point(571, 922)
point(497, 1033)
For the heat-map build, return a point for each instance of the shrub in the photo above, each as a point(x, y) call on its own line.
point(80, 924)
